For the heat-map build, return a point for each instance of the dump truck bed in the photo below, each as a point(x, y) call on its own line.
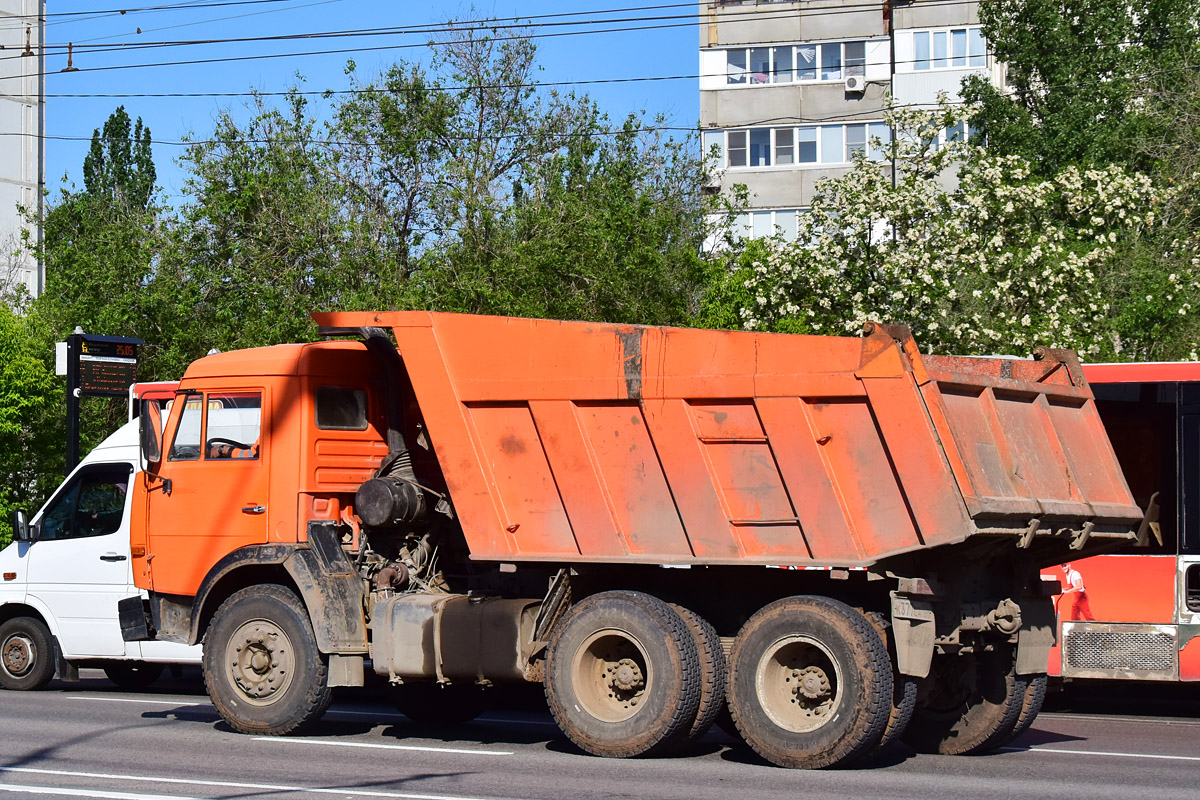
point(575, 441)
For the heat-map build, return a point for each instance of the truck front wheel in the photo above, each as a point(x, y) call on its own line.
point(262, 668)
point(971, 704)
point(623, 676)
point(810, 683)
point(26, 654)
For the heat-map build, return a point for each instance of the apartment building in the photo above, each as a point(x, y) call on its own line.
point(22, 118)
point(790, 90)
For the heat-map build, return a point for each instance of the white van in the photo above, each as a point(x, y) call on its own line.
point(60, 585)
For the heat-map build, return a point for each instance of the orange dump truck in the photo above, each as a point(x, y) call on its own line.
point(837, 538)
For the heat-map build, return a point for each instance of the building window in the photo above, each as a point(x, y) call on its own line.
point(784, 150)
point(736, 70)
point(949, 48)
point(956, 132)
point(764, 223)
point(760, 147)
point(855, 58)
point(805, 145)
point(828, 61)
point(832, 137)
point(737, 148)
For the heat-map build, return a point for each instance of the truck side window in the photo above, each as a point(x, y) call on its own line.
point(92, 505)
point(234, 420)
point(341, 409)
point(186, 446)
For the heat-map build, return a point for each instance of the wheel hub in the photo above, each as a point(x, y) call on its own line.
point(18, 655)
point(611, 675)
point(627, 676)
point(261, 661)
point(798, 683)
point(812, 683)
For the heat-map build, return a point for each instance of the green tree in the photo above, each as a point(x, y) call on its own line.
point(119, 166)
point(264, 237)
point(100, 247)
point(1006, 261)
point(608, 225)
point(1077, 76)
point(30, 455)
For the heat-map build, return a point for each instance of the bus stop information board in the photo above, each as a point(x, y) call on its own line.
point(95, 366)
point(107, 366)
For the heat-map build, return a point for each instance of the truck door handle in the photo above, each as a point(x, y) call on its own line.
point(254, 510)
point(112, 557)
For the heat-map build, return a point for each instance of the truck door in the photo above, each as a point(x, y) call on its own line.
point(79, 566)
point(217, 463)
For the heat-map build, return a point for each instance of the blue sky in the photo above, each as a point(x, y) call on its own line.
point(624, 54)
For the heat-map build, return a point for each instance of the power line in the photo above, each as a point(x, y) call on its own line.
point(692, 20)
point(874, 115)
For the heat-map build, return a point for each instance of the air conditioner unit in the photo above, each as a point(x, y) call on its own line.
point(855, 84)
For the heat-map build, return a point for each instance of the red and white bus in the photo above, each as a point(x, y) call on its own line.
point(1135, 614)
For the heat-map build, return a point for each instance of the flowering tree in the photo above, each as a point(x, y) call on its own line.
point(998, 262)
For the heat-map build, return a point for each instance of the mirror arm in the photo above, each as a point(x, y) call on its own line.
point(164, 483)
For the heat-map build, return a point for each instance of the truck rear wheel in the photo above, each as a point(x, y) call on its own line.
point(623, 675)
point(972, 704)
point(904, 687)
point(1031, 705)
point(26, 654)
point(262, 668)
point(712, 670)
point(810, 683)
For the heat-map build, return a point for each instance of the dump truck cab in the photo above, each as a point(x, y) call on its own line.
point(259, 444)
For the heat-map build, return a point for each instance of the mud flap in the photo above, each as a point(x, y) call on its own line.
point(1036, 636)
point(913, 630)
point(332, 592)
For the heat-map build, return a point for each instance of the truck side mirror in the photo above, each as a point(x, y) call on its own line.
point(20, 524)
point(150, 431)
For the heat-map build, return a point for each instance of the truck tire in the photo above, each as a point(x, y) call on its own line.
point(712, 671)
point(904, 687)
point(1031, 705)
point(26, 654)
point(132, 676)
point(810, 683)
point(623, 675)
point(262, 668)
point(432, 704)
point(971, 706)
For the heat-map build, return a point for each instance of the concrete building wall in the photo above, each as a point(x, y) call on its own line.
point(21, 120)
point(930, 46)
point(732, 22)
point(935, 13)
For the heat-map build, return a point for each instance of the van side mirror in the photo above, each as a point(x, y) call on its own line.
point(20, 524)
point(150, 431)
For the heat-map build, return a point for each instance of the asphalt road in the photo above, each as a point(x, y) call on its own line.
point(89, 740)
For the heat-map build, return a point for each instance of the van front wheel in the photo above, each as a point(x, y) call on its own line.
point(262, 668)
point(26, 654)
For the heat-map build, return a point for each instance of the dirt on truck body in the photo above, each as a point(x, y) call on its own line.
point(838, 539)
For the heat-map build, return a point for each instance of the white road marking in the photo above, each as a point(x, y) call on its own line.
point(13, 787)
point(1117, 718)
point(375, 746)
point(269, 787)
point(188, 702)
point(1107, 754)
